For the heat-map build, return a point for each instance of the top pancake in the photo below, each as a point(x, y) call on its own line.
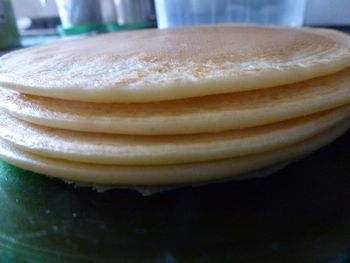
point(154, 65)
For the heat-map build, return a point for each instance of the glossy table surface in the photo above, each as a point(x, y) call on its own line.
point(299, 214)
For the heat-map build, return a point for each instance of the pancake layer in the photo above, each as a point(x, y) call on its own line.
point(171, 149)
point(165, 174)
point(156, 65)
point(188, 116)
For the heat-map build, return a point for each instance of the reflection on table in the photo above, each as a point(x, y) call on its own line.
point(300, 214)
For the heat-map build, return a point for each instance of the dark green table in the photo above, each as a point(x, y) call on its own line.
point(300, 214)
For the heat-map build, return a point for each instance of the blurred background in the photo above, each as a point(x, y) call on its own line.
point(42, 21)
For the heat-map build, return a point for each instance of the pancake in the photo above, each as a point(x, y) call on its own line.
point(168, 64)
point(187, 116)
point(165, 174)
point(172, 149)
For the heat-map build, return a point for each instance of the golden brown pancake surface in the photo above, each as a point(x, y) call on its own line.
point(153, 65)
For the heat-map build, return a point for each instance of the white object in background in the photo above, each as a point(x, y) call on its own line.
point(172, 13)
point(79, 12)
point(86, 12)
point(134, 11)
point(328, 12)
point(34, 8)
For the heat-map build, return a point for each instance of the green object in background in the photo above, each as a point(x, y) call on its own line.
point(9, 37)
point(91, 17)
point(102, 28)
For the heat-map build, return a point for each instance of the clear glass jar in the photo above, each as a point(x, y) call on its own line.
point(194, 12)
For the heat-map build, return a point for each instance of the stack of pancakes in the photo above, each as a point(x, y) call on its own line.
point(174, 106)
